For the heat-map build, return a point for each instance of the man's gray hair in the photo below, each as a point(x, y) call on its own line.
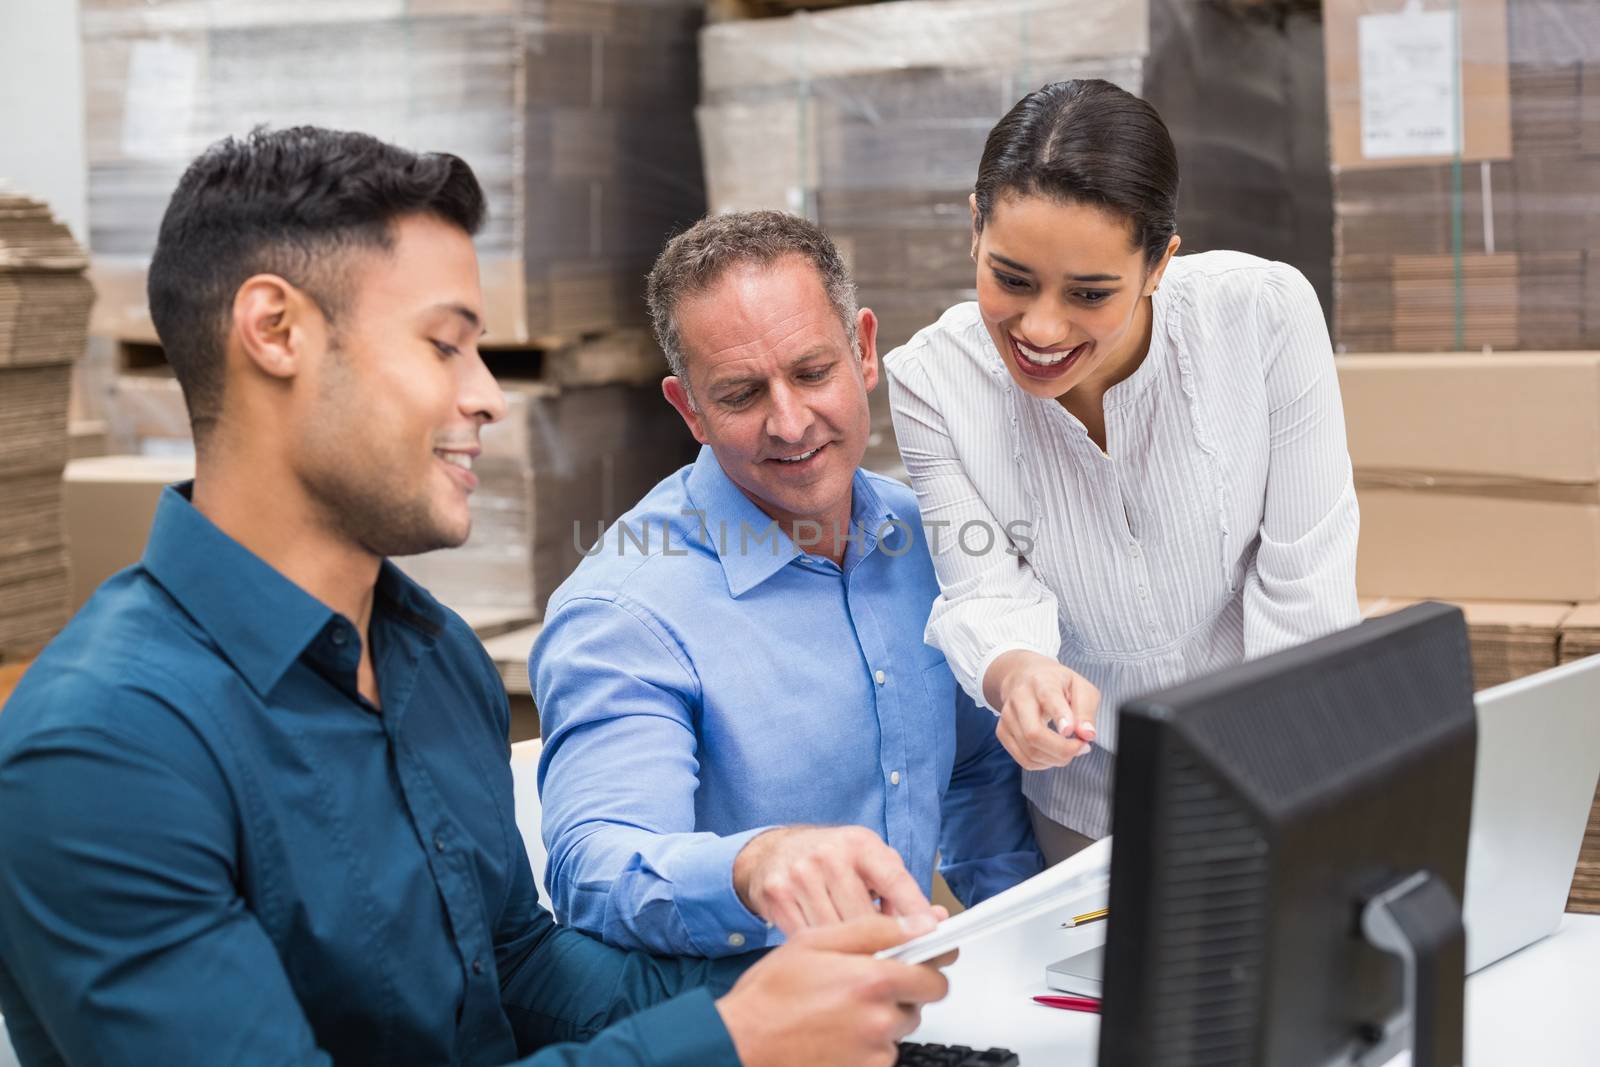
point(698, 257)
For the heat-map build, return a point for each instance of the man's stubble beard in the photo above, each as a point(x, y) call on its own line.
point(362, 499)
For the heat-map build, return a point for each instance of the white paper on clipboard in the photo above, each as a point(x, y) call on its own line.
point(1072, 887)
point(1410, 70)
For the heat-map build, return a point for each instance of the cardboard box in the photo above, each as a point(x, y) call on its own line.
point(916, 34)
point(1532, 416)
point(1482, 77)
point(110, 503)
point(1497, 249)
point(1421, 542)
point(1478, 476)
point(146, 415)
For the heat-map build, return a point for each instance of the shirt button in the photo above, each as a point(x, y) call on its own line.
point(438, 844)
point(477, 966)
point(894, 777)
point(338, 637)
point(1133, 550)
point(1144, 593)
point(880, 677)
point(736, 940)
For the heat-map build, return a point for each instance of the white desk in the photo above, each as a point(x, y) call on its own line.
point(1535, 1007)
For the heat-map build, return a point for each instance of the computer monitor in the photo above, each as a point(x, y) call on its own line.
point(1290, 845)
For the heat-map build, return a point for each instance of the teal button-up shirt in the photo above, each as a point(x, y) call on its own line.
point(214, 850)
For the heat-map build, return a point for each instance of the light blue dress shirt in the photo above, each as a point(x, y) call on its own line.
point(701, 678)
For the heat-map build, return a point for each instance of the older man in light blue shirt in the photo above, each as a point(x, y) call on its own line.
point(745, 734)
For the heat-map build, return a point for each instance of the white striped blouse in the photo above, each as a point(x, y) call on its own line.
point(1219, 525)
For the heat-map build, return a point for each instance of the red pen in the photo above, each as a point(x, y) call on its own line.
point(1088, 1004)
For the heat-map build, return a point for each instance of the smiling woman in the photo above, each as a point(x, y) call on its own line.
point(1166, 429)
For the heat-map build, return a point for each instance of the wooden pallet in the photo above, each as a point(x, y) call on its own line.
point(572, 313)
point(10, 675)
point(626, 356)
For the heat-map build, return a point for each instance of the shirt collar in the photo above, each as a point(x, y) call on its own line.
point(260, 620)
point(737, 530)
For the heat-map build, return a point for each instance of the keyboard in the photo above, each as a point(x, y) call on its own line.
point(915, 1055)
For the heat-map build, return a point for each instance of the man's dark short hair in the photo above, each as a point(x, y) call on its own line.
point(293, 203)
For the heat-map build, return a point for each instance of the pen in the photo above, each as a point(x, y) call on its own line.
point(1088, 1004)
point(1056, 726)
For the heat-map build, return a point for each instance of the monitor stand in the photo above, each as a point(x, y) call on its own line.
point(1419, 920)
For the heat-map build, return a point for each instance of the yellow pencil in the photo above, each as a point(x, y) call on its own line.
point(1086, 918)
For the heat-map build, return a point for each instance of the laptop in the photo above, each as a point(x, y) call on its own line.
point(1538, 761)
point(1538, 766)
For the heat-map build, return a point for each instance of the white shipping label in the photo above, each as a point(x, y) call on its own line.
point(1409, 84)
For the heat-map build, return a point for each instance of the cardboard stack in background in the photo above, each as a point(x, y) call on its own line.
point(562, 465)
point(1479, 483)
point(1500, 251)
point(871, 120)
point(576, 115)
point(44, 315)
point(1243, 94)
point(1580, 637)
point(1478, 475)
point(1510, 639)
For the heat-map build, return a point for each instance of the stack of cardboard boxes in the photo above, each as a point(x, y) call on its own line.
point(1241, 89)
point(1479, 475)
point(577, 115)
point(1580, 637)
point(1456, 234)
point(44, 318)
point(1466, 158)
point(1479, 484)
point(871, 121)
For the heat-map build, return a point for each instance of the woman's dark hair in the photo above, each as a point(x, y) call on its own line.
point(288, 202)
point(1086, 141)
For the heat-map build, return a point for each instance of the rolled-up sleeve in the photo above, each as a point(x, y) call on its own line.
point(617, 781)
point(986, 842)
point(989, 603)
point(1302, 583)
